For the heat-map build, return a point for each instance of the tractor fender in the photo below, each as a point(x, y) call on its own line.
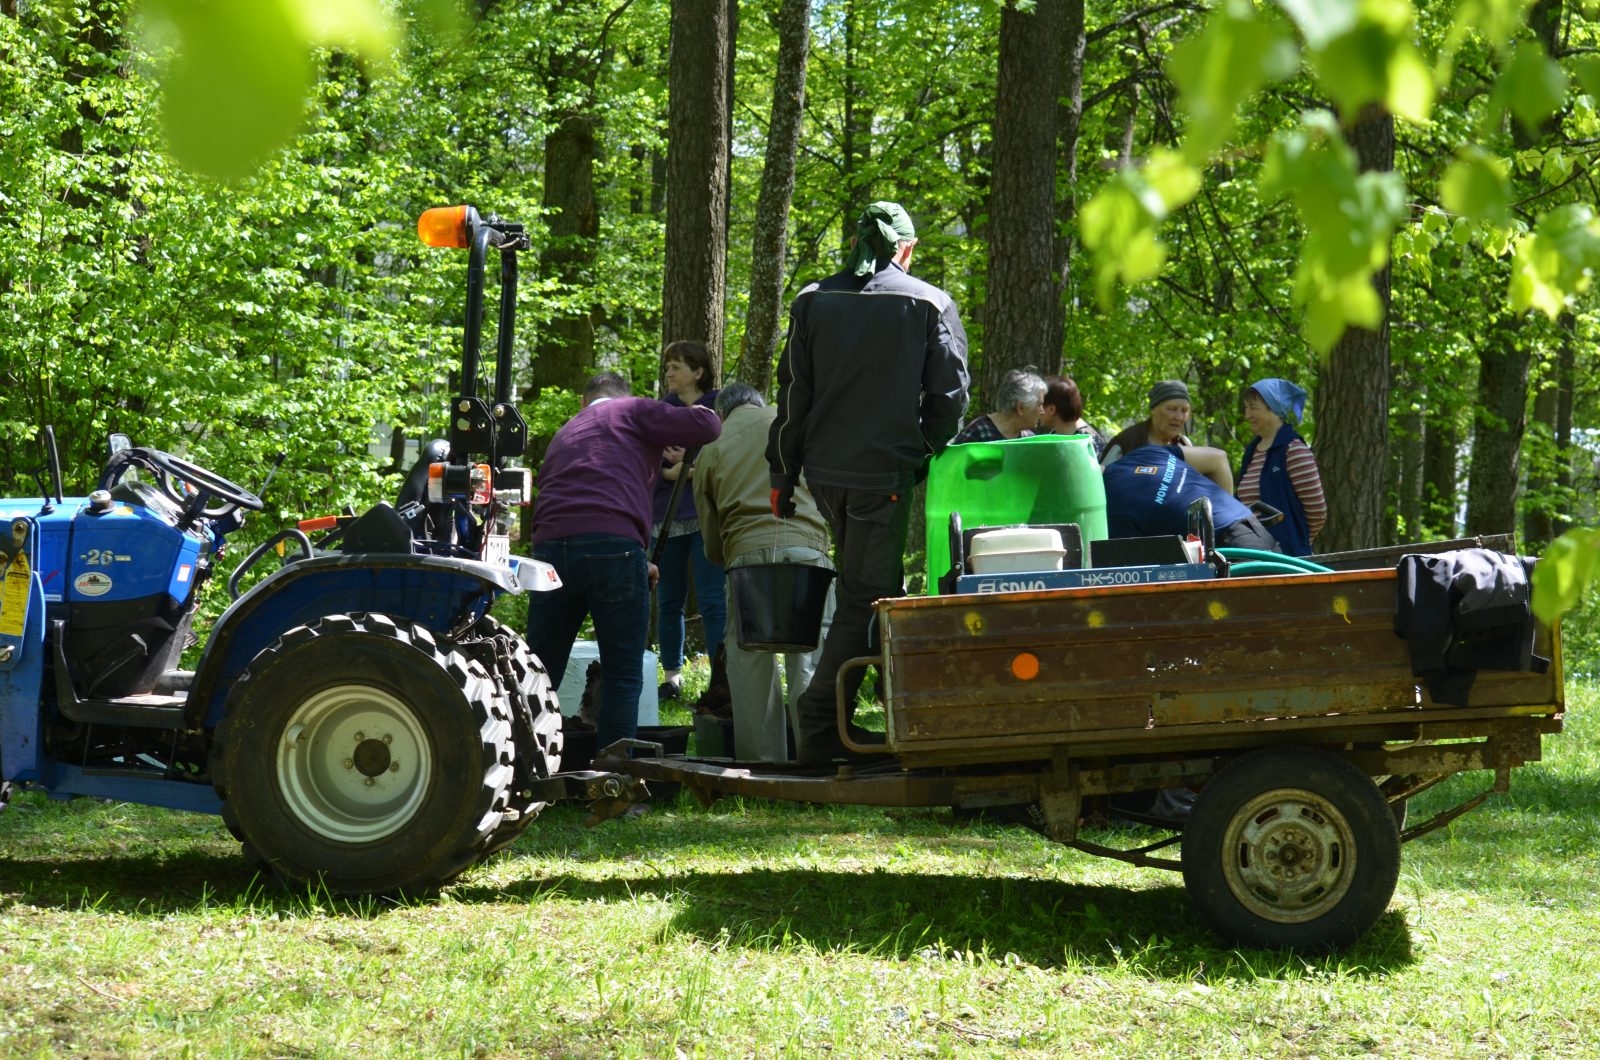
point(21, 670)
point(438, 592)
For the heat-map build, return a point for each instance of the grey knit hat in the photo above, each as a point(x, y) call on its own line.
point(1168, 389)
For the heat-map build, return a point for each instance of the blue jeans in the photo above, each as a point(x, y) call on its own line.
point(603, 576)
point(673, 589)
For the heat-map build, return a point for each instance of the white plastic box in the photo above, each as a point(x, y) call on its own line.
point(1016, 549)
point(570, 691)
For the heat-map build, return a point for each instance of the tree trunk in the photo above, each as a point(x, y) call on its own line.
point(1500, 419)
point(1069, 119)
point(768, 251)
point(1441, 460)
point(856, 149)
point(563, 353)
point(1023, 316)
point(1409, 476)
point(1353, 394)
point(697, 176)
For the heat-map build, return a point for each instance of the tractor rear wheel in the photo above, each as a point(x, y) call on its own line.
point(1293, 848)
point(535, 719)
point(359, 752)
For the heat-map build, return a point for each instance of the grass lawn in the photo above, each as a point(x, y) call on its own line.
point(757, 929)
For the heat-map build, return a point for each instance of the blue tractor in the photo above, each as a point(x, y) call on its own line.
point(357, 717)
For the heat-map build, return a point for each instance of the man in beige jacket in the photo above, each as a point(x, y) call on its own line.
point(731, 494)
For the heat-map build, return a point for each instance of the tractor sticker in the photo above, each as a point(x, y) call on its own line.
point(104, 557)
point(92, 583)
point(14, 596)
point(183, 573)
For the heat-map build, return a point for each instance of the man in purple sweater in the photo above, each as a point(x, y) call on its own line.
point(591, 522)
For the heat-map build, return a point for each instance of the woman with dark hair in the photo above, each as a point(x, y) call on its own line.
point(1061, 412)
point(690, 379)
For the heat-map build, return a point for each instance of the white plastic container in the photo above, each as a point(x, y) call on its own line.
point(1016, 549)
point(570, 691)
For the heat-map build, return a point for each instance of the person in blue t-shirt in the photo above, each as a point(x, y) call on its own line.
point(1149, 490)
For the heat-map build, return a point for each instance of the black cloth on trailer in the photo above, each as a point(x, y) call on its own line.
point(1465, 611)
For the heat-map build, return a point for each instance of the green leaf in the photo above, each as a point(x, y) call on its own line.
point(1411, 87)
point(237, 88)
point(1531, 86)
point(1349, 218)
point(362, 26)
point(1587, 70)
point(1566, 569)
point(1494, 20)
point(1557, 260)
point(1119, 224)
point(1320, 21)
point(1172, 178)
point(1221, 67)
point(1476, 186)
point(238, 85)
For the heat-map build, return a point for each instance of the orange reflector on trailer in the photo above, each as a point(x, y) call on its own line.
point(443, 226)
point(1025, 667)
point(321, 522)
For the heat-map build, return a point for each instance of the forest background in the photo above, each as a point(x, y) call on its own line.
point(1390, 206)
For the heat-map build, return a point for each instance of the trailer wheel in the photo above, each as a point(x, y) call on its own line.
point(5, 795)
point(535, 720)
point(1291, 848)
point(359, 752)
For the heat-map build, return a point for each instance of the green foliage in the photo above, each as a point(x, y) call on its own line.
point(1125, 214)
point(1349, 219)
point(240, 76)
point(1476, 185)
point(1567, 568)
point(1556, 260)
point(1224, 65)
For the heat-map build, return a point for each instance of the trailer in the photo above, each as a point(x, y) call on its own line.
point(1287, 702)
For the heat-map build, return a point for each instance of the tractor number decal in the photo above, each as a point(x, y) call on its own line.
point(14, 596)
point(103, 557)
point(92, 583)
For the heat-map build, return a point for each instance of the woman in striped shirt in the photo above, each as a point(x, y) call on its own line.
point(1279, 468)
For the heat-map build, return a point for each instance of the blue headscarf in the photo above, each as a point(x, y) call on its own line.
point(1286, 400)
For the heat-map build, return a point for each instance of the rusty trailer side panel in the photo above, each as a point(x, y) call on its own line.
point(1006, 677)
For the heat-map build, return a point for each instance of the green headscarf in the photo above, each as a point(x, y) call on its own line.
point(880, 230)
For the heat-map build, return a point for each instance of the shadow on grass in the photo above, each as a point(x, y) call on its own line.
point(153, 883)
point(934, 917)
point(890, 915)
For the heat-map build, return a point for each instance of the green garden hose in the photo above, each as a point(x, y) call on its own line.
point(1257, 561)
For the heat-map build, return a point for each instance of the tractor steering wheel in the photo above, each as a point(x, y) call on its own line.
point(168, 467)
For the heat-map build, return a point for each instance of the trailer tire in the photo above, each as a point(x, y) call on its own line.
point(1291, 848)
point(5, 795)
point(359, 752)
point(535, 720)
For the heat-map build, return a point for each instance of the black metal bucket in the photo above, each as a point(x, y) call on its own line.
point(779, 605)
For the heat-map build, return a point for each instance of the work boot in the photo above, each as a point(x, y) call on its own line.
point(819, 745)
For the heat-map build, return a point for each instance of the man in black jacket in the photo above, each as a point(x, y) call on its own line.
point(872, 384)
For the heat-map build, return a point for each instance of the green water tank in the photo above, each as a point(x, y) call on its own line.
point(1050, 478)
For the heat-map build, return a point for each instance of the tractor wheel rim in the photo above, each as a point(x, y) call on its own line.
point(1289, 856)
point(354, 763)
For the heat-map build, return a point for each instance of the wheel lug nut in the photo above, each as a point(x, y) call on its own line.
point(394, 767)
point(349, 763)
point(370, 782)
point(360, 736)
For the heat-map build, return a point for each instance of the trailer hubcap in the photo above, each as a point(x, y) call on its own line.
point(354, 764)
point(1289, 856)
